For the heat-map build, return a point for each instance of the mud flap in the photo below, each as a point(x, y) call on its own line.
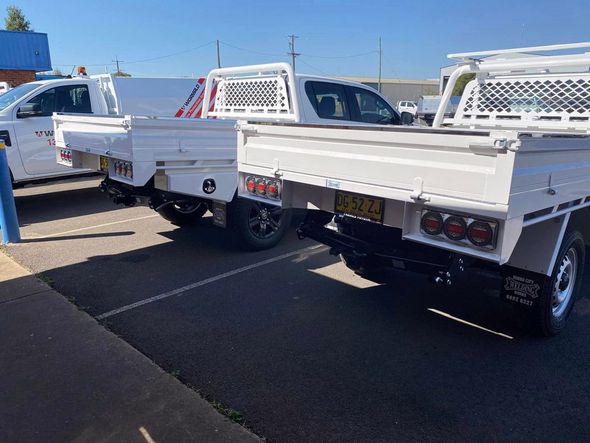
point(521, 287)
point(219, 211)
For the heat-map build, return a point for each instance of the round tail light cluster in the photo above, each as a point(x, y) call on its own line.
point(263, 187)
point(65, 155)
point(461, 229)
point(123, 169)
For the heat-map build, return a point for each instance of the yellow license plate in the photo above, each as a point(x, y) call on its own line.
point(104, 164)
point(359, 206)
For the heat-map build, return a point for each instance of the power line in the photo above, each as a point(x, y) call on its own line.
point(250, 50)
point(315, 68)
point(146, 59)
point(173, 54)
point(341, 56)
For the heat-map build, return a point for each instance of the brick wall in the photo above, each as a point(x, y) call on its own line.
point(15, 78)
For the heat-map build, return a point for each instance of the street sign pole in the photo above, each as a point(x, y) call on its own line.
point(8, 218)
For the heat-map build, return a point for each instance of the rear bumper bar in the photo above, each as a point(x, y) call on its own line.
point(369, 257)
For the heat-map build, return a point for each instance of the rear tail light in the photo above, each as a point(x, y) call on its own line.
point(463, 229)
point(65, 155)
point(123, 169)
point(432, 223)
point(273, 189)
point(455, 228)
point(263, 187)
point(480, 233)
point(251, 185)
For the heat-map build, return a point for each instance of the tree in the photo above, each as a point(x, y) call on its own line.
point(121, 74)
point(461, 83)
point(15, 20)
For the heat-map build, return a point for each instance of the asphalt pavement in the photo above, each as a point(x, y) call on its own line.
point(296, 343)
point(66, 378)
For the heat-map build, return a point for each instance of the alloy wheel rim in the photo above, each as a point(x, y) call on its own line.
point(264, 221)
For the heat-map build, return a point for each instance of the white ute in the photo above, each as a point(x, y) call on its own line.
point(504, 186)
point(182, 168)
point(27, 128)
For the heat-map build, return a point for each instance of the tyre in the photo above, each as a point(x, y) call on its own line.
point(183, 213)
point(257, 225)
point(558, 297)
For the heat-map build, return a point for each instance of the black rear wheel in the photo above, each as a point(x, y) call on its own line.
point(259, 226)
point(183, 213)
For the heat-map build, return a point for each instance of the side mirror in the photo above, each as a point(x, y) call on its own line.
point(407, 118)
point(29, 110)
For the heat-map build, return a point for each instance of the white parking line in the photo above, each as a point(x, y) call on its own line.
point(465, 322)
point(309, 250)
point(146, 435)
point(86, 228)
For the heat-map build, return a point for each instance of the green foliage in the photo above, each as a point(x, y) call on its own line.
point(461, 83)
point(15, 20)
point(121, 74)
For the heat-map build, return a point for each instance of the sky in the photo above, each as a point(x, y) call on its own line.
point(336, 38)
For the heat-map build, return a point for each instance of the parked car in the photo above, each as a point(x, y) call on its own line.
point(428, 105)
point(407, 106)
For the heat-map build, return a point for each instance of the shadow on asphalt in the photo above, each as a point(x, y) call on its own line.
point(308, 357)
point(77, 237)
point(39, 208)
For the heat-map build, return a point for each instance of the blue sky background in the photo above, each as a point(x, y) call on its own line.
point(416, 35)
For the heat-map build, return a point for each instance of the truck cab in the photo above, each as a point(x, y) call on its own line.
point(27, 128)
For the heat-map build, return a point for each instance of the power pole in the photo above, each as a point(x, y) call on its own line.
point(379, 81)
point(292, 52)
point(218, 55)
point(117, 61)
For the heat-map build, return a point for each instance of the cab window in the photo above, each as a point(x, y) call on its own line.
point(328, 100)
point(75, 98)
point(46, 100)
point(373, 109)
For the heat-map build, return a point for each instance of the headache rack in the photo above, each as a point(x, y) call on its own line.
point(257, 91)
point(536, 92)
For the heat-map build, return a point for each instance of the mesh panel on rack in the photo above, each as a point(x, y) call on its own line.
point(551, 96)
point(268, 95)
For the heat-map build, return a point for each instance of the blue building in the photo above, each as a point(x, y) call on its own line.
point(22, 55)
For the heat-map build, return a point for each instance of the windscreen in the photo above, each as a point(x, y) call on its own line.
point(15, 94)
